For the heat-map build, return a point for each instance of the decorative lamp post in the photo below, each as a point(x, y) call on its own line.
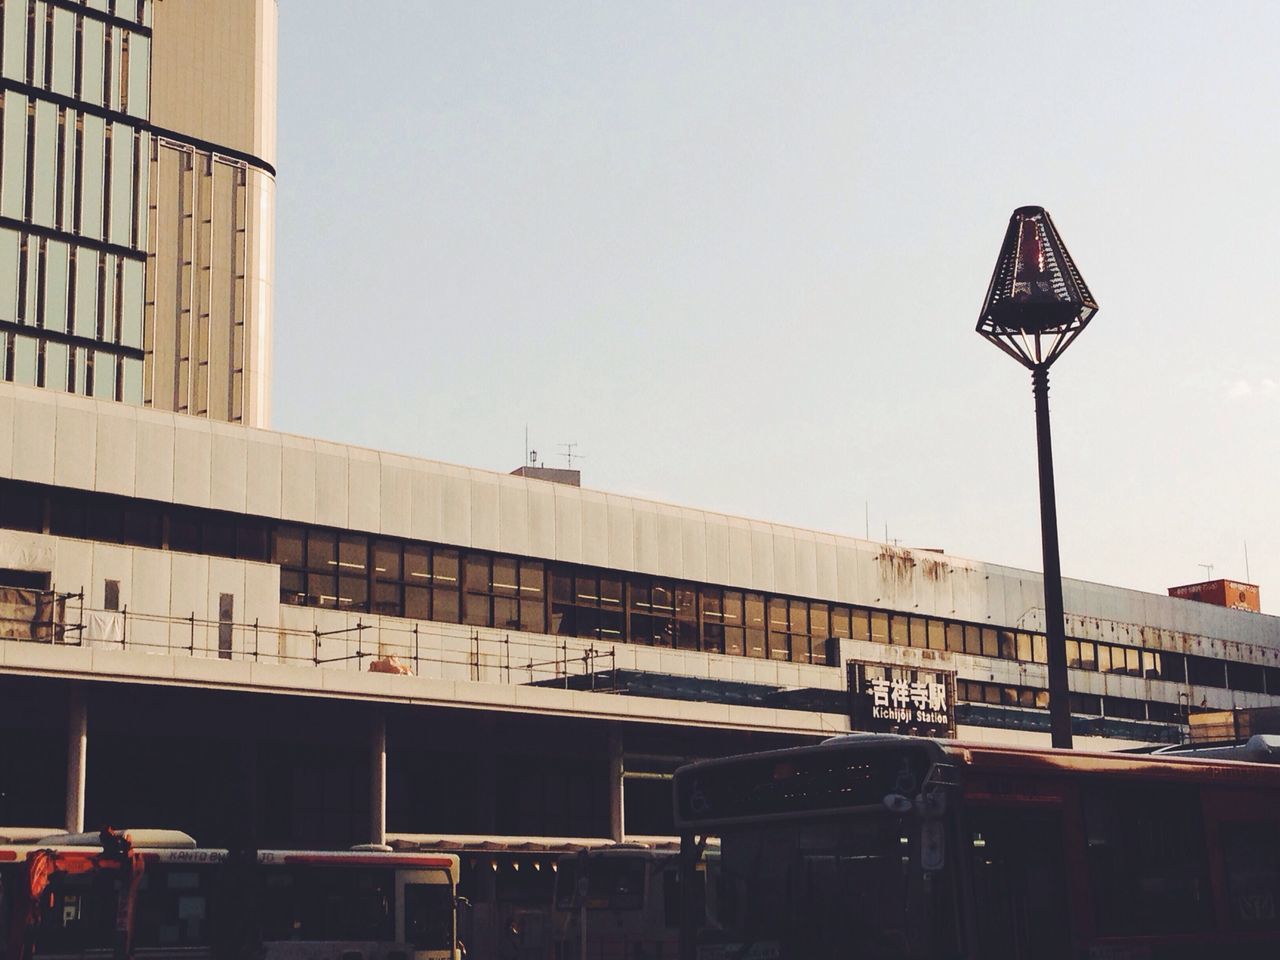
point(1036, 306)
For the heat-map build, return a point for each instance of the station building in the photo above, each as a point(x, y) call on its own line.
point(199, 617)
point(275, 640)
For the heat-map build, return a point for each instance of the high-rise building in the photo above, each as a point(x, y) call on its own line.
point(137, 199)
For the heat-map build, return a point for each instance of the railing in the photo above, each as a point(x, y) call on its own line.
point(373, 644)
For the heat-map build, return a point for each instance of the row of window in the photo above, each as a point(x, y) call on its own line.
point(68, 289)
point(89, 372)
point(58, 48)
point(69, 170)
point(1084, 704)
point(329, 568)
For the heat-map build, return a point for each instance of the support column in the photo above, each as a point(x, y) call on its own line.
point(77, 756)
point(378, 779)
point(617, 812)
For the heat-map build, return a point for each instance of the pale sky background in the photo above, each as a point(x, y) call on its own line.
point(736, 252)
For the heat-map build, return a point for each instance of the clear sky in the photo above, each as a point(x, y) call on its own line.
point(736, 251)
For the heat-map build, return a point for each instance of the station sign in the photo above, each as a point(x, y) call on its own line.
point(896, 699)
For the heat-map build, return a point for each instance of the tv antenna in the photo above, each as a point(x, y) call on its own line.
point(568, 454)
point(1208, 570)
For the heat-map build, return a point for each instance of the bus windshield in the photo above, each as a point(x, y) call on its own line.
point(808, 889)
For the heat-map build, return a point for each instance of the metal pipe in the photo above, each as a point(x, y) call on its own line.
point(378, 780)
point(1055, 631)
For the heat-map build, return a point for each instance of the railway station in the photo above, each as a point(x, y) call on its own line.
point(268, 641)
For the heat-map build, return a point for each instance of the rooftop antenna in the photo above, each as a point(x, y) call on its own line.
point(1208, 570)
point(866, 516)
point(568, 453)
point(1247, 578)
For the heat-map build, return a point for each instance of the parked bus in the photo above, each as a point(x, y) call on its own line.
point(895, 848)
point(629, 895)
point(160, 897)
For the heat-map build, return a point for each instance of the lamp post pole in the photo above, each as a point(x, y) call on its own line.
point(1036, 306)
point(1054, 627)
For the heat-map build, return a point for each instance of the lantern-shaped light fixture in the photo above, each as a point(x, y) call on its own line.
point(1037, 302)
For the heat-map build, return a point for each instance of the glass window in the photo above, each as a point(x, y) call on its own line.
point(475, 609)
point(10, 247)
point(937, 635)
point(417, 563)
point(444, 568)
point(1104, 658)
point(1039, 649)
point(56, 265)
point(732, 607)
point(1073, 653)
point(1251, 858)
point(955, 638)
point(533, 579)
point(322, 551)
point(45, 173)
point(115, 52)
point(819, 621)
point(533, 616)
point(1132, 662)
point(92, 182)
point(86, 307)
point(93, 60)
point(798, 614)
point(139, 74)
point(64, 51)
point(13, 189)
point(29, 303)
point(476, 573)
point(24, 360)
point(104, 375)
point(445, 606)
point(990, 642)
point(898, 630)
point(55, 366)
point(505, 581)
point(841, 626)
point(860, 624)
point(131, 294)
point(753, 604)
point(918, 630)
point(121, 184)
point(973, 640)
point(879, 627)
point(353, 555)
point(1088, 656)
point(15, 41)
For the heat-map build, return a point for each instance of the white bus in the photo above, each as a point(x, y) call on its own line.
point(168, 899)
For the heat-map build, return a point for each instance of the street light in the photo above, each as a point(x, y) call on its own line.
point(1036, 306)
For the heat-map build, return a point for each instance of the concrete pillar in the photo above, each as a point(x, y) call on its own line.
point(617, 812)
point(77, 755)
point(378, 780)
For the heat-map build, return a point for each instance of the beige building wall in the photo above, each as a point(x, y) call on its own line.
point(212, 204)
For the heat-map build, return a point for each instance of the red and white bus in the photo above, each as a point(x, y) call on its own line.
point(162, 897)
point(895, 848)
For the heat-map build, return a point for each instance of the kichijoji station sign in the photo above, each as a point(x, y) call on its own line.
point(889, 699)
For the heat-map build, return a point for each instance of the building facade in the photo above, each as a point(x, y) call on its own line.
point(137, 201)
point(376, 646)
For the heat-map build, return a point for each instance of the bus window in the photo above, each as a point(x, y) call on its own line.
point(1019, 883)
point(173, 908)
point(1251, 855)
point(314, 903)
point(428, 916)
point(1146, 855)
